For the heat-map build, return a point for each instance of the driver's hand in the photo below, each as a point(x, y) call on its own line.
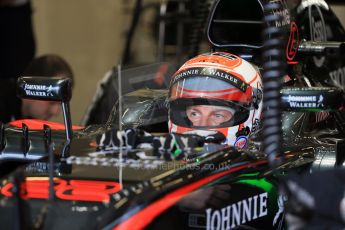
point(172, 146)
point(177, 146)
point(113, 139)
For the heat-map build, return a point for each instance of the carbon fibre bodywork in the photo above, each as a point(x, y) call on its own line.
point(215, 187)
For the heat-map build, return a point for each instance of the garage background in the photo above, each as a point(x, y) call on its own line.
point(90, 35)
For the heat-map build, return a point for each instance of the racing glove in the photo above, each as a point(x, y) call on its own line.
point(113, 139)
point(171, 146)
point(129, 139)
point(175, 146)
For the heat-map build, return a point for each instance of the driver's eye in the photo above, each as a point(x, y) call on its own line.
point(193, 113)
point(219, 116)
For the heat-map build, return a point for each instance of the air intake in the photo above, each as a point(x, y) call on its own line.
point(236, 25)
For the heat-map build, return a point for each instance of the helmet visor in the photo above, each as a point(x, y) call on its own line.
point(208, 102)
point(204, 113)
point(209, 87)
point(209, 115)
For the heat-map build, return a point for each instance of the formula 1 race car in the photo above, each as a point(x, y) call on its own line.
point(218, 187)
point(92, 189)
point(56, 176)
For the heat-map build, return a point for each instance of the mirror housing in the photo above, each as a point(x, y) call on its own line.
point(45, 88)
point(49, 89)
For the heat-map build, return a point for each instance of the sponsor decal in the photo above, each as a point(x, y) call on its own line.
point(292, 47)
point(257, 97)
point(301, 98)
point(305, 101)
point(38, 90)
point(144, 217)
point(186, 73)
point(284, 13)
point(317, 30)
point(212, 72)
point(244, 131)
point(238, 213)
point(241, 142)
point(220, 74)
point(255, 125)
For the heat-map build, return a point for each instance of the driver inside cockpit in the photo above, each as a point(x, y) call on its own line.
point(216, 92)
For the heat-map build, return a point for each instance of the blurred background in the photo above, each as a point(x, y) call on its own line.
point(91, 36)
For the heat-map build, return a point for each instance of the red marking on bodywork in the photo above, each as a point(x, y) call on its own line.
point(36, 124)
point(292, 47)
point(145, 216)
point(78, 190)
point(6, 190)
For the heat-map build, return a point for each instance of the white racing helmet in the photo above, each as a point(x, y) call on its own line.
point(216, 92)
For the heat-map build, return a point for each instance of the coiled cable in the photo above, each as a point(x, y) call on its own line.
point(201, 10)
point(274, 68)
